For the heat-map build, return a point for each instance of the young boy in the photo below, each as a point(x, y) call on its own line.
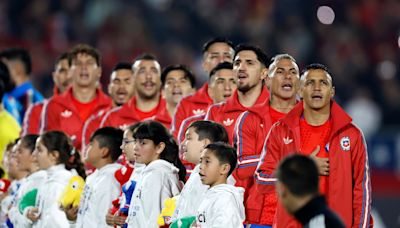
point(198, 135)
point(101, 187)
point(222, 205)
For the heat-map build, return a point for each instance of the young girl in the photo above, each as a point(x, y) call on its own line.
point(154, 147)
point(55, 154)
point(26, 162)
point(127, 176)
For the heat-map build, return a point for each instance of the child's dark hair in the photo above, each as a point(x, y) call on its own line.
point(210, 130)
point(224, 153)
point(59, 141)
point(29, 142)
point(300, 174)
point(110, 138)
point(157, 133)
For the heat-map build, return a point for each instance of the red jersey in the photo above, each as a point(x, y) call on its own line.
point(60, 114)
point(91, 125)
point(311, 137)
point(226, 113)
point(349, 193)
point(195, 104)
point(32, 118)
point(251, 128)
point(126, 114)
point(31, 123)
point(163, 117)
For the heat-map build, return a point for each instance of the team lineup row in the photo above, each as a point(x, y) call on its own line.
point(267, 109)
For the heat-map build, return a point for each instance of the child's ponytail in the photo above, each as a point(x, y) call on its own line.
point(60, 142)
point(74, 162)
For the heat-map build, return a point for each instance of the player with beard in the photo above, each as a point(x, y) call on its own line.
point(253, 126)
point(120, 90)
point(147, 100)
point(250, 65)
point(69, 111)
point(319, 128)
point(177, 82)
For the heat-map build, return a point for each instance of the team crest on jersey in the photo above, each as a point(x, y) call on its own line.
point(66, 113)
point(345, 143)
point(198, 112)
point(228, 122)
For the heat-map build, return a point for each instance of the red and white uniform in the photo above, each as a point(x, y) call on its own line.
point(32, 118)
point(61, 113)
point(163, 117)
point(91, 125)
point(226, 113)
point(128, 114)
point(250, 131)
point(349, 184)
point(195, 104)
point(31, 123)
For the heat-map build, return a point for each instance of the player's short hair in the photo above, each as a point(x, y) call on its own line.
point(261, 55)
point(188, 73)
point(18, 53)
point(86, 49)
point(221, 66)
point(212, 41)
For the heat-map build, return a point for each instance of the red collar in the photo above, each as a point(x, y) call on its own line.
point(338, 116)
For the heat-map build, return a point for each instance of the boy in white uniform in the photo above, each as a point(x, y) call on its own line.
point(101, 186)
point(198, 135)
point(223, 204)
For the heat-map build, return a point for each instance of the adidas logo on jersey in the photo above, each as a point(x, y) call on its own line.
point(66, 114)
point(123, 127)
point(198, 112)
point(287, 140)
point(228, 122)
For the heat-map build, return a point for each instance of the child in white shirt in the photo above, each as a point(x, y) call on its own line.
point(101, 186)
point(198, 135)
point(222, 205)
point(162, 177)
point(56, 155)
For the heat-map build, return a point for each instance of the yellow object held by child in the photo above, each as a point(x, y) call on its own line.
point(72, 192)
point(166, 213)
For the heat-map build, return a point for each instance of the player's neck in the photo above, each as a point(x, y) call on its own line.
point(146, 105)
point(171, 106)
point(316, 117)
point(250, 97)
point(84, 94)
point(282, 105)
